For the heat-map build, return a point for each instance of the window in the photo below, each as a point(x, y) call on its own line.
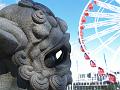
point(118, 72)
point(89, 75)
point(83, 75)
point(100, 83)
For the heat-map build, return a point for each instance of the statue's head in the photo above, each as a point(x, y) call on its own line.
point(38, 36)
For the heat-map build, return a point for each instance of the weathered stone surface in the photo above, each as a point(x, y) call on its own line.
point(30, 38)
point(7, 82)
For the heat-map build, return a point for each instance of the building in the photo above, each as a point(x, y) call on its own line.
point(92, 81)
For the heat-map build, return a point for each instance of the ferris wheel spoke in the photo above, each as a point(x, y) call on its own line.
point(108, 6)
point(101, 23)
point(103, 15)
point(102, 33)
point(107, 42)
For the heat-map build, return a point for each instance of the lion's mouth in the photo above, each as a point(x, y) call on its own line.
point(56, 57)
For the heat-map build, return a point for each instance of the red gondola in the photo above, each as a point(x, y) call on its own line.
point(90, 6)
point(86, 13)
point(86, 56)
point(101, 71)
point(112, 78)
point(81, 27)
point(82, 49)
point(92, 64)
point(83, 20)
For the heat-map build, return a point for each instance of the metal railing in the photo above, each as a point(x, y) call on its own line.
point(91, 86)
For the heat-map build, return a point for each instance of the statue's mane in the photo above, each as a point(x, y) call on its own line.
point(30, 38)
point(36, 6)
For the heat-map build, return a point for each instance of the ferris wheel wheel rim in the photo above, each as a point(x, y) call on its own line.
point(81, 39)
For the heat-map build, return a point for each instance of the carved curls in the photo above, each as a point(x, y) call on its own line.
point(39, 17)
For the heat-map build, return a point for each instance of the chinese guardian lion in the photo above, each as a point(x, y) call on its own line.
point(30, 37)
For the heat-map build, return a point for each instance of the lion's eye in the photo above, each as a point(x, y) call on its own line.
point(58, 54)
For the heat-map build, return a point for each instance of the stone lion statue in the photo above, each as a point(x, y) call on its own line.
point(30, 37)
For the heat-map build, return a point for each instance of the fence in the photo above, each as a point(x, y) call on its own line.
point(92, 86)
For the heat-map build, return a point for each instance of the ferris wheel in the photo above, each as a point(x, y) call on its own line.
point(99, 31)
